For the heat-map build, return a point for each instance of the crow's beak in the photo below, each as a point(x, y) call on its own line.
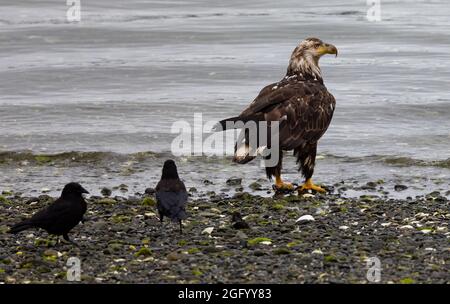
point(84, 191)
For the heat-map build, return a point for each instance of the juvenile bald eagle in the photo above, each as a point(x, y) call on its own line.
point(302, 105)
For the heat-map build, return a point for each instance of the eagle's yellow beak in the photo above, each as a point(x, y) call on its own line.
point(327, 49)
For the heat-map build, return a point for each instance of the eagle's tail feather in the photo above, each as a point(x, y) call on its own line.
point(222, 125)
point(231, 123)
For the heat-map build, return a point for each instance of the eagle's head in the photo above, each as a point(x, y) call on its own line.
point(305, 58)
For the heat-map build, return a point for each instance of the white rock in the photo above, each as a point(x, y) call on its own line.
point(305, 218)
point(44, 190)
point(343, 227)
point(317, 251)
point(406, 227)
point(385, 224)
point(266, 243)
point(307, 195)
point(430, 249)
point(426, 231)
point(422, 215)
point(208, 230)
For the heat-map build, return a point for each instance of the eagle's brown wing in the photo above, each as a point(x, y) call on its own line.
point(304, 109)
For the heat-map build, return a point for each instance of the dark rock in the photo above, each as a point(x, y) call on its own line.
point(255, 186)
point(400, 187)
point(434, 194)
point(238, 221)
point(106, 192)
point(234, 181)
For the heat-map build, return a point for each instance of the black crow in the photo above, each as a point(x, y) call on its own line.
point(238, 221)
point(61, 216)
point(171, 194)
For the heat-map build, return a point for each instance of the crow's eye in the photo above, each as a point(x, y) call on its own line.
point(316, 45)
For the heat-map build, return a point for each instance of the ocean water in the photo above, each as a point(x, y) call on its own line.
point(114, 84)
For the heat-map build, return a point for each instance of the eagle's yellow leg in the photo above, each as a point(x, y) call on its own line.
point(309, 185)
point(280, 185)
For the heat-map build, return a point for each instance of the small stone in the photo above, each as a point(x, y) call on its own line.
point(421, 215)
point(208, 230)
point(99, 225)
point(255, 186)
point(234, 181)
point(434, 194)
point(173, 256)
point(51, 253)
point(343, 227)
point(106, 192)
point(371, 185)
point(241, 235)
point(259, 253)
point(400, 187)
point(406, 227)
point(305, 219)
point(106, 201)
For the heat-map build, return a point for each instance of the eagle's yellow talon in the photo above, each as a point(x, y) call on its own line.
point(284, 186)
point(309, 185)
point(280, 185)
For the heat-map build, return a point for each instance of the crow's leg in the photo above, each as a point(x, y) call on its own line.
point(66, 237)
point(161, 218)
point(181, 227)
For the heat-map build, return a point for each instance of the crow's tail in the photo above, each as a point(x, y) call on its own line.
point(21, 227)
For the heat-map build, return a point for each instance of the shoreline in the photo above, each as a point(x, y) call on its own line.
point(122, 242)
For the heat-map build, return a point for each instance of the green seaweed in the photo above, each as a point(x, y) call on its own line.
point(144, 251)
point(258, 240)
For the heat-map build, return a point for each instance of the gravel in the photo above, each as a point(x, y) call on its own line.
point(123, 242)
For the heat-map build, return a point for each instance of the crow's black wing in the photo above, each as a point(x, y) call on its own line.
point(172, 204)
